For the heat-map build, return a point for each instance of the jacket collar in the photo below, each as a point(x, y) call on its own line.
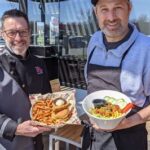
point(10, 52)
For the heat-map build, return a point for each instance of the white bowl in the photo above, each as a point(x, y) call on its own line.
point(104, 123)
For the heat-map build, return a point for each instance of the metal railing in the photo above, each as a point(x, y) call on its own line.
point(71, 71)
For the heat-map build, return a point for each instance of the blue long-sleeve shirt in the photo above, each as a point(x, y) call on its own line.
point(135, 73)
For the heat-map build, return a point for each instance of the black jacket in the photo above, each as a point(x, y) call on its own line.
point(18, 78)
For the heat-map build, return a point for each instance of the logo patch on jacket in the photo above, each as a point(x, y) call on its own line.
point(39, 70)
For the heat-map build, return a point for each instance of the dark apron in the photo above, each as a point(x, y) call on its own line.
point(105, 77)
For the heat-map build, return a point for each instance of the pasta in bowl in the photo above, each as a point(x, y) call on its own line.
point(107, 108)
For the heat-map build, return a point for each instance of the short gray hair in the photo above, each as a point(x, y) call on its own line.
point(13, 13)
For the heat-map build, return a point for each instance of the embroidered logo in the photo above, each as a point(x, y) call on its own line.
point(39, 70)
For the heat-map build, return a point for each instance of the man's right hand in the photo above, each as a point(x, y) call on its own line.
point(28, 128)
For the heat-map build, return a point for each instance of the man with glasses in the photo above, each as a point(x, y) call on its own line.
point(21, 74)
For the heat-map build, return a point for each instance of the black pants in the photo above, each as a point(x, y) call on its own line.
point(38, 143)
point(134, 138)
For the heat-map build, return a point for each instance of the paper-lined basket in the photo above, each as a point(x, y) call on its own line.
point(69, 96)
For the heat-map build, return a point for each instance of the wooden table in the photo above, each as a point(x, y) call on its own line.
point(70, 134)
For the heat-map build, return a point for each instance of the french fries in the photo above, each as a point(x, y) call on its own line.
point(43, 110)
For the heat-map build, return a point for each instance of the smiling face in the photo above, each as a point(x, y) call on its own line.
point(113, 16)
point(16, 34)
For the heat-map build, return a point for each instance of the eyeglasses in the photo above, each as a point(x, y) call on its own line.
point(13, 33)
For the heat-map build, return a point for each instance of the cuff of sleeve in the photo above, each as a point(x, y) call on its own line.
point(10, 129)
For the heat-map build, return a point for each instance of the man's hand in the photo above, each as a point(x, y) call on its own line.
point(28, 128)
point(124, 124)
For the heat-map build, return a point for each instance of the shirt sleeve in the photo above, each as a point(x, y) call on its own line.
point(7, 127)
point(146, 82)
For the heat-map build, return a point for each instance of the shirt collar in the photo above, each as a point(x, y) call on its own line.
point(124, 46)
point(119, 51)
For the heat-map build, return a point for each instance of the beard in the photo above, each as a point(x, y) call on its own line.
point(17, 50)
point(114, 29)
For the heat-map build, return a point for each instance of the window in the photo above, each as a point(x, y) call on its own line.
point(77, 24)
point(4, 6)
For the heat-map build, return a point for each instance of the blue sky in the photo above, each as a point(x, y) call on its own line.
point(5, 5)
point(141, 8)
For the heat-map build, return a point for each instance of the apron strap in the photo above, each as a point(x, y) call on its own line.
point(91, 54)
point(126, 52)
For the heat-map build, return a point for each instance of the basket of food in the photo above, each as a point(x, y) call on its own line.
point(107, 108)
point(54, 109)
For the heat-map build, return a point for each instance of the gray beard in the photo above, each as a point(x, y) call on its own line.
point(13, 51)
